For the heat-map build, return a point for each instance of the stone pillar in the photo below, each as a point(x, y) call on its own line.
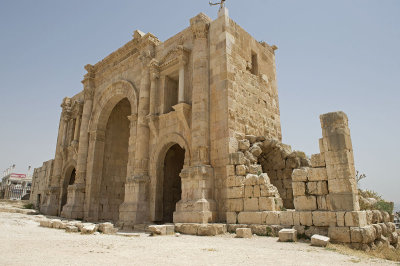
point(74, 208)
point(66, 118)
point(50, 207)
point(197, 204)
point(181, 93)
point(338, 151)
point(77, 127)
point(135, 209)
point(154, 75)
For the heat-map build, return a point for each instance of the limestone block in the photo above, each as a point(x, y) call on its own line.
point(393, 238)
point(268, 191)
point(241, 169)
point(234, 205)
point(157, 230)
point(292, 162)
point(271, 217)
point(368, 234)
point(249, 156)
point(251, 204)
point(243, 233)
point(235, 192)
point(237, 158)
point(317, 188)
point(305, 203)
point(286, 218)
point(342, 185)
point(244, 144)
point(385, 231)
point(300, 175)
point(385, 217)
point(251, 138)
point(256, 150)
point(55, 223)
point(249, 217)
point(220, 228)
point(322, 203)
point(324, 218)
point(342, 201)
point(319, 241)
point(230, 181)
point(299, 188)
point(391, 227)
point(88, 228)
point(296, 218)
point(231, 217)
point(206, 230)
point(356, 235)
point(306, 218)
point(340, 219)
point(45, 223)
point(261, 230)
point(251, 180)
point(339, 234)
point(339, 157)
point(378, 230)
point(263, 179)
point(255, 169)
point(230, 170)
point(338, 142)
point(301, 229)
point(356, 218)
point(267, 204)
point(71, 229)
point(317, 174)
point(369, 216)
point(288, 235)
point(187, 229)
point(256, 191)
point(249, 191)
point(318, 160)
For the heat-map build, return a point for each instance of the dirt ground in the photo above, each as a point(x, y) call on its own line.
point(23, 242)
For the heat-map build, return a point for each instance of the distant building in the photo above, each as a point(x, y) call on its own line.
point(14, 185)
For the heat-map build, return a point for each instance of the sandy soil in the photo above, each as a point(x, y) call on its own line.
point(23, 242)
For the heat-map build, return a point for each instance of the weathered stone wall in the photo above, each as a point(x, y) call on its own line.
point(40, 181)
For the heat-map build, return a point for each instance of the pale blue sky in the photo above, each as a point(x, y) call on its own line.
point(333, 55)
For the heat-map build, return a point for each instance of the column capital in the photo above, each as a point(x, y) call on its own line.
point(88, 82)
point(154, 69)
point(200, 25)
point(145, 58)
point(133, 117)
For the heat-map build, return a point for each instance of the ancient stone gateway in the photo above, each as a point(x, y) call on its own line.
point(188, 131)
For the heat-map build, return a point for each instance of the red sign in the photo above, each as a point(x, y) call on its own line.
point(13, 175)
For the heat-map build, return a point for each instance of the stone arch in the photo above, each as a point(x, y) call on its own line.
point(108, 99)
point(157, 167)
point(66, 174)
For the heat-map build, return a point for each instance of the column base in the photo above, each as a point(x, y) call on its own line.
point(135, 209)
point(51, 205)
point(75, 202)
point(197, 206)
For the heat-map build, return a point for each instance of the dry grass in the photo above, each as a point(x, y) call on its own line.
point(382, 253)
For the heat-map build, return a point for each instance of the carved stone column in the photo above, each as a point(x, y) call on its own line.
point(53, 192)
point(76, 195)
point(181, 92)
point(154, 76)
point(197, 204)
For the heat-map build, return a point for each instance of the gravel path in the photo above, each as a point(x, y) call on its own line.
point(23, 242)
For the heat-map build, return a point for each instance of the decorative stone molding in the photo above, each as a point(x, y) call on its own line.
point(200, 25)
point(178, 55)
point(183, 111)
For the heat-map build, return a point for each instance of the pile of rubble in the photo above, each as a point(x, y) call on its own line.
point(78, 226)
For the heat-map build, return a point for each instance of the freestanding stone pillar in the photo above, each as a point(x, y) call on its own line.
point(197, 204)
point(74, 208)
point(338, 151)
point(53, 193)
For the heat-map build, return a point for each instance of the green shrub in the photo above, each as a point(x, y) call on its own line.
point(29, 206)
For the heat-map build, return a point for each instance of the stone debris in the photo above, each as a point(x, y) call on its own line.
point(71, 229)
point(107, 228)
point(243, 233)
point(288, 235)
point(161, 230)
point(88, 228)
point(320, 241)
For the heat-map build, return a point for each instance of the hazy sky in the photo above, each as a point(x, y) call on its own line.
point(333, 55)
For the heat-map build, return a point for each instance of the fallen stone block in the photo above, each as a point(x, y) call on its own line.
point(71, 229)
point(288, 235)
point(107, 228)
point(207, 230)
point(88, 228)
point(243, 233)
point(319, 241)
point(45, 223)
point(187, 229)
point(55, 223)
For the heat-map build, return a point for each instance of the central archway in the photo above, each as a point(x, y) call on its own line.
point(115, 160)
point(68, 180)
point(171, 181)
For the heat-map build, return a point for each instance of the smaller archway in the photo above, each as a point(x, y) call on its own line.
point(171, 181)
point(68, 180)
